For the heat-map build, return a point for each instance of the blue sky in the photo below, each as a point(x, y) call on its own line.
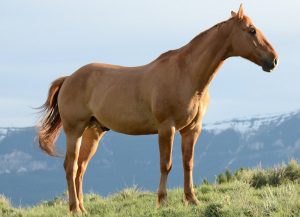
point(42, 40)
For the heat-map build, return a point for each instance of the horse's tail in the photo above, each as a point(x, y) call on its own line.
point(50, 124)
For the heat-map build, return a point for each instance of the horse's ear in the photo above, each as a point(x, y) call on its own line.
point(233, 14)
point(240, 13)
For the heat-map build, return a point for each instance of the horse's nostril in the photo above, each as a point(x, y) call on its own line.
point(275, 61)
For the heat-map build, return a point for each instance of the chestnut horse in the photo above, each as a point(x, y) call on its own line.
point(167, 95)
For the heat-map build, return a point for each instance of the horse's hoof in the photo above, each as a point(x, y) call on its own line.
point(161, 200)
point(83, 210)
point(190, 200)
point(75, 209)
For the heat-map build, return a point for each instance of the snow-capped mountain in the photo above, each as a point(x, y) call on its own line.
point(253, 124)
point(27, 175)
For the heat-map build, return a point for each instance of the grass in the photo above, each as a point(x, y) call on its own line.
point(237, 196)
point(259, 177)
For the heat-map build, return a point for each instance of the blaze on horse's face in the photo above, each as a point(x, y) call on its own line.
point(250, 43)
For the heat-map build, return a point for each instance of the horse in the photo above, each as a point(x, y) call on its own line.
point(168, 95)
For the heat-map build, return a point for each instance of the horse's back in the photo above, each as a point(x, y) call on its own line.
point(114, 95)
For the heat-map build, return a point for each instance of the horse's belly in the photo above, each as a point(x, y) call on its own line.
point(128, 121)
point(135, 129)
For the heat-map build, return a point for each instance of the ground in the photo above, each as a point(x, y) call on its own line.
point(231, 199)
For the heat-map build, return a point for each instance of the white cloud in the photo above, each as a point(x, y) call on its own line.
point(22, 170)
point(18, 161)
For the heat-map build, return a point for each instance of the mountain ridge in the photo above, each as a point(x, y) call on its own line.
point(123, 160)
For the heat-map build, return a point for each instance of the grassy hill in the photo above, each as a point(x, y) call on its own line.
point(247, 192)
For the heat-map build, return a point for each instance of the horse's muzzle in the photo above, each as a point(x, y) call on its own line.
point(269, 65)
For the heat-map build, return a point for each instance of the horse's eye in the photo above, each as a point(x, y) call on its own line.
point(252, 31)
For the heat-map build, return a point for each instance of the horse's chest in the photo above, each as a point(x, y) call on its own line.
point(181, 112)
point(184, 115)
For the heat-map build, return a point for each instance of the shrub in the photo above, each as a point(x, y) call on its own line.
point(5, 207)
point(221, 178)
point(205, 189)
point(292, 171)
point(276, 176)
point(228, 175)
point(4, 202)
point(224, 178)
point(244, 175)
point(259, 179)
point(205, 182)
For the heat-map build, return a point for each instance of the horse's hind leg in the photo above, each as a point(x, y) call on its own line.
point(73, 137)
point(89, 145)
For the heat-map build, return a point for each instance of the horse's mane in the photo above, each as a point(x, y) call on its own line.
point(202, 34)
point(197, 38)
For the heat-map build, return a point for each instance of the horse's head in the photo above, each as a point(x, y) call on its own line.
point(249, 42)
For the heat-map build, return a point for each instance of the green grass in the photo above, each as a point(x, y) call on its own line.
point(259, 177)
point(237, 196)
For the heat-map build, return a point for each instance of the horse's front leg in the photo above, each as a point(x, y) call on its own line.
point(189, 138)
point(166, 134)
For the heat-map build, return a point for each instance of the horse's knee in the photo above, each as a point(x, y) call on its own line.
point(166, 167)
point(188, 165)
point(71, 173)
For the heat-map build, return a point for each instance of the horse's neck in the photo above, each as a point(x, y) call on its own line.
point(204, 55)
